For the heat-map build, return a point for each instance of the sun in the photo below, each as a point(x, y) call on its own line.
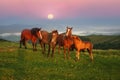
point(50, 16)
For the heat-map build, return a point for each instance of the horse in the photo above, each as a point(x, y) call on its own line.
point(45, 40)
point(53, 42)
point(68, 42)
point(30, 34)
point(50, 39)
point(82, 45)
point(65, 41)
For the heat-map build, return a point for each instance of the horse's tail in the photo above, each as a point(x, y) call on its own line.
point(90, 47)
point(22, 39)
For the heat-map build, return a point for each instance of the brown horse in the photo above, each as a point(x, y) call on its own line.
point(65, 41)
point(46, 37)
point(53, 42)
point(82, 45)
point(33, 35)
point(68, 42)
point(50, 39)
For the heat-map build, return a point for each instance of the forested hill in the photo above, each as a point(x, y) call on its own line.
point(103, 41)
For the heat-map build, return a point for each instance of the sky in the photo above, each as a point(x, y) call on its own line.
point(85, 16)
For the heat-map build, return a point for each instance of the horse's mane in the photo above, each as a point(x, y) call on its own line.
point(54, 31)
point(34, 31)
point(77, 38)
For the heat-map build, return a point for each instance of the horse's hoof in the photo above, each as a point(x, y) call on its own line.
point(76, 60)
point(34, 49)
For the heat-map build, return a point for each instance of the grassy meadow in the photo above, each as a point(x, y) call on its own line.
point(24, 64)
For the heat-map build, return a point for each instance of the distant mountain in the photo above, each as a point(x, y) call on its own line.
point(99, 41)
point(14, 38)
point(13, 28)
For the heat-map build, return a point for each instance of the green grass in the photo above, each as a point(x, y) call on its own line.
point(21, 64)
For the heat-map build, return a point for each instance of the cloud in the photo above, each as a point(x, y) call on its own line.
point(9, 34)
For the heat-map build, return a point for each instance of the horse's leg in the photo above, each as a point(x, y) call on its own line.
point(64, 53)
point(59, 49)
point(90, 54)
point(41, 44)
point(49, 47)
point(34, 46)
point(44, 50)
point(53, 48)
point(24, 43)
point(78, 54)
point(20, 43)
point(68, 53)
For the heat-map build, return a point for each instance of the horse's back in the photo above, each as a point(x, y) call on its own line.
point(45, 36)
point(88, 44)
point(26, 33)
point(60, 39)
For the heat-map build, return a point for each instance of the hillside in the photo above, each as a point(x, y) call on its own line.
point(103, 41)
point(25, 64)
point(99, 41)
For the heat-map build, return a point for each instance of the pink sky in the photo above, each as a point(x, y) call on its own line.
point(60, 8)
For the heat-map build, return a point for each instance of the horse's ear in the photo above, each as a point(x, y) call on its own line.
point(39, 29)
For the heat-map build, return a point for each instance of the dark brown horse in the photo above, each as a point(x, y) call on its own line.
point(65, 41)
point(82, 45)
point(33, 35)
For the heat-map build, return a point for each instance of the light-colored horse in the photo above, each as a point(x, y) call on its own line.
point(82, 45)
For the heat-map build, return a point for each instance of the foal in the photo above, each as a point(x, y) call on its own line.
point(82, 45)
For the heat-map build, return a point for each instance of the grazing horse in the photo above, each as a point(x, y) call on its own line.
point(53, 42)
point(82, 45)
point(65, 40)
point(33, 35)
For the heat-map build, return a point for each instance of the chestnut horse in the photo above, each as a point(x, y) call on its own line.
point(82, 45)
point(68, 42)
point(33, 35)
point(65, 41)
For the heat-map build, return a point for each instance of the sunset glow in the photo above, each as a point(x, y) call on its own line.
point(61, 8)
point(50, 16)
point(86, 16)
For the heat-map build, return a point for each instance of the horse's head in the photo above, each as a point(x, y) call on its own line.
point(39, 34)
point(68, 31)
point(76, 38)
point(54, 35)
point(36, 32)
